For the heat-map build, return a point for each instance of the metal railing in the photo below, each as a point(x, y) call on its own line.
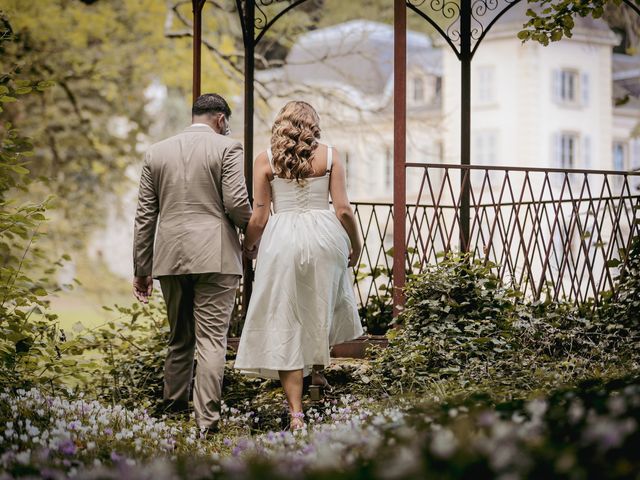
point(555, 232)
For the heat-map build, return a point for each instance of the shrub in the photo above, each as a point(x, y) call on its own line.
point(30, 340)
point(462, 325)
point(623, 305)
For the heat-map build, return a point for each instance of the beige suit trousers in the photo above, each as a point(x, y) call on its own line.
point(199, 308)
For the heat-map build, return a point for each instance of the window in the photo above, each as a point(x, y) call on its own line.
point(619, 156)
point(635, 154)
point(634, 163)
point(586, 151)
point(584, 88)
point(566, 145)
point(485, 85)
point(418, 90)
point(565, 86)
point(485, 150)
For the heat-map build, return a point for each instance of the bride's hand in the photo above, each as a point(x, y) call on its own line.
point(250, 253)
point(353, 258)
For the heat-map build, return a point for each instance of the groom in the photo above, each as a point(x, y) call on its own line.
point(193, 189)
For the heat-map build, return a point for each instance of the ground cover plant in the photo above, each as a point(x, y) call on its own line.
point(588, 431)
point(476, 382)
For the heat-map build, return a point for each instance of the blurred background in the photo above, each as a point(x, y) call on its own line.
point(122, 80)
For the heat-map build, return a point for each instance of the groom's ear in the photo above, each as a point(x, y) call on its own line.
point(218, 122)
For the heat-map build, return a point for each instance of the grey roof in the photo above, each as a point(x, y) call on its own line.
point(626, 77)
point(358, 53)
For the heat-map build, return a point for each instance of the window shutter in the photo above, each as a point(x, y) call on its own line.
point(634, 154)
point(556, 86)
point(584, 87)
point(556, 155)
point(493, 150)
point(586, 151)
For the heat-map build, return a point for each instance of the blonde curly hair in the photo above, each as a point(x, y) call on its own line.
point(294, 138)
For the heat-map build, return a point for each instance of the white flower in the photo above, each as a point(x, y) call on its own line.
point(575, 411)
point(444, 443)
point(24, 457)
point(616, 405)
point(537, 408)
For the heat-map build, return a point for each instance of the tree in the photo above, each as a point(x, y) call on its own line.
point(102, 57)
point(27, 331)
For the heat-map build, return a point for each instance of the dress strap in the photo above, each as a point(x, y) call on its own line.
point(270, 155)
point(329, 158)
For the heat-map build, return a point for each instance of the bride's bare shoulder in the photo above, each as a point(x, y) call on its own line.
point(261, 159)
point(261, 165)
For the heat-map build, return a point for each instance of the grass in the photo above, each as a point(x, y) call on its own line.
point(98, 287)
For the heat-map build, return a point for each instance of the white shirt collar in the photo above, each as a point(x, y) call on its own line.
point(200, 125)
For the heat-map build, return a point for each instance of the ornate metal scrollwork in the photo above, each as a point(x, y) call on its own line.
point(262, 20)
point(446, 17)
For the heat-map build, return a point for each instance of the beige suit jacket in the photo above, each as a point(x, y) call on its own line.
point(193, 190)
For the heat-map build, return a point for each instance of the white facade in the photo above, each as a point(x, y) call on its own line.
point(548, 106)
point(532, 105)
point(346, 73)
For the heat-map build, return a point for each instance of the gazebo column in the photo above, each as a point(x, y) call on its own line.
point(465, 120)
point(198, 5)
point(399, 152)
point(249, 70)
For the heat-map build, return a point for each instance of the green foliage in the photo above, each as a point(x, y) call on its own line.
point(623, 308)
point(553, 20)
point(126, 356)
point(377, 314)
point(29, 337)
point(462, 325)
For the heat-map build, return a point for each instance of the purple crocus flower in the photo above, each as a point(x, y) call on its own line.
point(67, 447)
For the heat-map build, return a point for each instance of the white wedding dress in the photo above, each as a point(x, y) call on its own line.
point(302, 301)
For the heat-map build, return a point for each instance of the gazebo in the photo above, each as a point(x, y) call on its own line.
point(462, 26)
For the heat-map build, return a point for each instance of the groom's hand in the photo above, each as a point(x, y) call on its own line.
point(143, 288)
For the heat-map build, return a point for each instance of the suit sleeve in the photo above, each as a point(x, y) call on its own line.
point(234, 187)
point(145, 223)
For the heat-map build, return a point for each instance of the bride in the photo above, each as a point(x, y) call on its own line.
point(303, 300)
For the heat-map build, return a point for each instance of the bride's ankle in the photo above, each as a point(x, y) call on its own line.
point(297, 420)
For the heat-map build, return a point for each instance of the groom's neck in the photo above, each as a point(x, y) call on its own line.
point(206, 119)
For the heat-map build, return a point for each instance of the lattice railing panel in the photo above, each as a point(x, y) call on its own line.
point(548, 230)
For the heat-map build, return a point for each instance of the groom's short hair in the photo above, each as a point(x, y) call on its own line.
point(210, 103)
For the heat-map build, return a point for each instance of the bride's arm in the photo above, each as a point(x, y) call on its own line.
point(261, 202)
point(342, 207)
